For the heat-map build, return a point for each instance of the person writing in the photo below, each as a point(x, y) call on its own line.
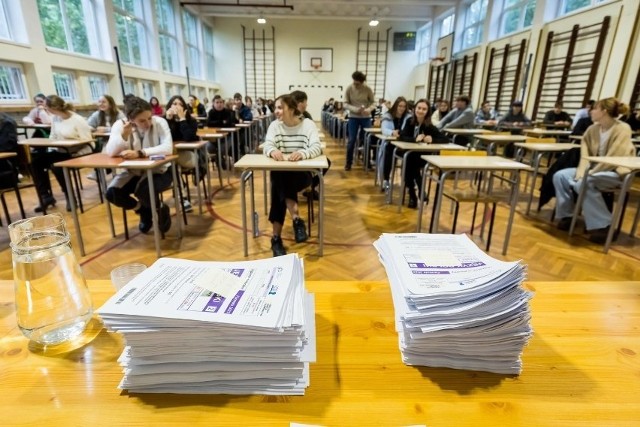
point(289, 138)
point(608, 137)
point(142, 134)
point(418, 129)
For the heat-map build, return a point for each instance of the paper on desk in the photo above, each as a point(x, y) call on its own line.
point(136, 163)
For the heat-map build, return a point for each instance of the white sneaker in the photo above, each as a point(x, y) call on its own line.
point(385, 185)
point(186, 205)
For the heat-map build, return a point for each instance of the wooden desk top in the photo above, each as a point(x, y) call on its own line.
point(7, 154)
point(34, 126)
point(476, 131)
point(56, 143)
point(243, 125)
point(546, 132)
point(546, 146)
point(501, 138)
point(632, 163)
point(229, 129)
point(260, 162)
point(388, 138)
point(420, 146)
point(181, 145)
point(102, 160)
point(475, 163)
point(580, 369)
point(370, 130)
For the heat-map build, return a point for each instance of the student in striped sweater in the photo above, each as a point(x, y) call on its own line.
point(289, 138)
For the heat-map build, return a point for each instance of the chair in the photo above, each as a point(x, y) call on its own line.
point(9, 182)
point(471, 195)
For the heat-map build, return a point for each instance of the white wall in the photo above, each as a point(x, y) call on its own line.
point(293, 34)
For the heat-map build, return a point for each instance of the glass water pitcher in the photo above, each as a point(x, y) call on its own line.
point(53, 304)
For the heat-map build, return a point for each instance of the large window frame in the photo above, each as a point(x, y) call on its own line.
point(98, 86)
point(192, 38)
point(168, 36)
point(424, 43)
point(209, 58)
point(133, 32)
point(65, 83)
point(76, 24)
point(447, 24)
point(473, 27)
point(13, 87)
point(522, 10)
point(148, 88)
point(569, 6)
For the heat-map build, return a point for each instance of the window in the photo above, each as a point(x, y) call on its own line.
point(165, 14)
point(208, 53)
point(569, 6)
point(70, 25)
point(190, 25)
point(12, 86)
point(129, 86)
point(147, 89)
point(5, 32)
point(446, 25)
point(98, 86)
point(517, 15)
point(424, 44)
point(65, 83)
point(473, 23)
point(132, 32)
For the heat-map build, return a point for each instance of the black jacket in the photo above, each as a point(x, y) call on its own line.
point(221, 119)
point(411, 130)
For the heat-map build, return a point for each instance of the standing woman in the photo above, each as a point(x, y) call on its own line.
point(66, 124)
point(393, 121)
point(419, 129)
point(183, 128)
point(156, 108)
point(297, 138)
point(107, 114)
point(140, 135)
point(608, 137)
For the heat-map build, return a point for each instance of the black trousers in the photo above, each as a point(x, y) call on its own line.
point(41, 163)
point(139, 186)
point(413, 171)
point(285, 185)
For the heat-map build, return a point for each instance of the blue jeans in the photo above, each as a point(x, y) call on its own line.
point(352, 127)
point(595, 211)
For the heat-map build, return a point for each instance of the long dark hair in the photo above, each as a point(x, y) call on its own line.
point(112, 111)
point(427, 117)
point(394, 108)
point(290, 102)
point(186, 107)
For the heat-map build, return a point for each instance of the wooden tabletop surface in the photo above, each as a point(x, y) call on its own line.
point(260, 161)
point(102, 160)
point(580, 369)
point(475, 163)
point(423, 146)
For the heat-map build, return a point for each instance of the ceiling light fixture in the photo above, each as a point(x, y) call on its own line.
point(374, 22)
point(261, 20)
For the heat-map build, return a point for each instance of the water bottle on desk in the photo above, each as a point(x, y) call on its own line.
point(53, 304)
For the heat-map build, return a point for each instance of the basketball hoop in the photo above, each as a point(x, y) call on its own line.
point(438, 60)
point(316, 67)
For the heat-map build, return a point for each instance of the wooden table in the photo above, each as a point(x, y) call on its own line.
point(368, 134)
point(24, 127)
point(214, 135)
point(538, 150)
point(632, 163)
point(579, 369)
point(547, 132)
point(382, 150)
point(101, 161)
point(259, 162)
point(493, 140)
point(465, 132)
point(412, 147)
point(451, 164)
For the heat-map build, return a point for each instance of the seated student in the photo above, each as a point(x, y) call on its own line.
point(255, 111)
point(220, 116)
point(140, 135)
point(66, 124)
point(197, 108)
point(393, 121)
point(632, 119)
point(106, 115)
point(8, 144)
point(328, 105)
point(38, 116)
point(607, 137)
point(515, 117)
point(156, 108)
point(583, 112)
point(461, 117)
point(581, 126)
point(418, 129)
point(486, 116)
point(557, 116)
point(441, 110)
point(183, 128)
point(243, 113)
point(292, 135)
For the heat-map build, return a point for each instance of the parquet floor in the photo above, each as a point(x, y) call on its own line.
point(355, 215)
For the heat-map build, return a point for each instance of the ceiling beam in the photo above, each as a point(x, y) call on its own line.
point(284, 5)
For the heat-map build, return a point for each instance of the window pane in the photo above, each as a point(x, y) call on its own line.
point(511, 21)
point(190, 28)
point(97, 86)
point(571, 5)
point(166, 16)
point(11, 83)
point(136, 33)
point(4, 23)
point(76, 20)
point(123, 44)
point(469, 37)
point(529, 12)
point(129, 86)
point(52, 25)
point(168, 53)
point(65, 85)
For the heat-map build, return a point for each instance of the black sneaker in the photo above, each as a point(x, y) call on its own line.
point(564, 224)
point(46, 202)
point(277, 247)
point(299, 230)
point(347, 167)
point(146, 220)
point(599, 235)
point(164, 218)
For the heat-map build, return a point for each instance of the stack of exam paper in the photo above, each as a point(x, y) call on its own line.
point(215, 327)
point(456, 306)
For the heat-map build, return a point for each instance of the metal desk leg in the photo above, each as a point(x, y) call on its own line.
point(154, 212)
point(421, 198)
point(74, 212)
point(437, 203)
point(578, 206)
point(321, 214)
point(617, 210)
point(536, 165)
point(102, 186)
point(512, 211)
point(243, 206)
point(197, 173)
point(175, 172)
point(402, 182)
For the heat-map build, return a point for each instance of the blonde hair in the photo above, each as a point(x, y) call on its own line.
point(613, 107)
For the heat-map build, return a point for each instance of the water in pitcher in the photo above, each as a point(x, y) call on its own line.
point(53, 304)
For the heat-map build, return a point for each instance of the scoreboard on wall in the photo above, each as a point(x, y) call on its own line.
point(404, 41)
